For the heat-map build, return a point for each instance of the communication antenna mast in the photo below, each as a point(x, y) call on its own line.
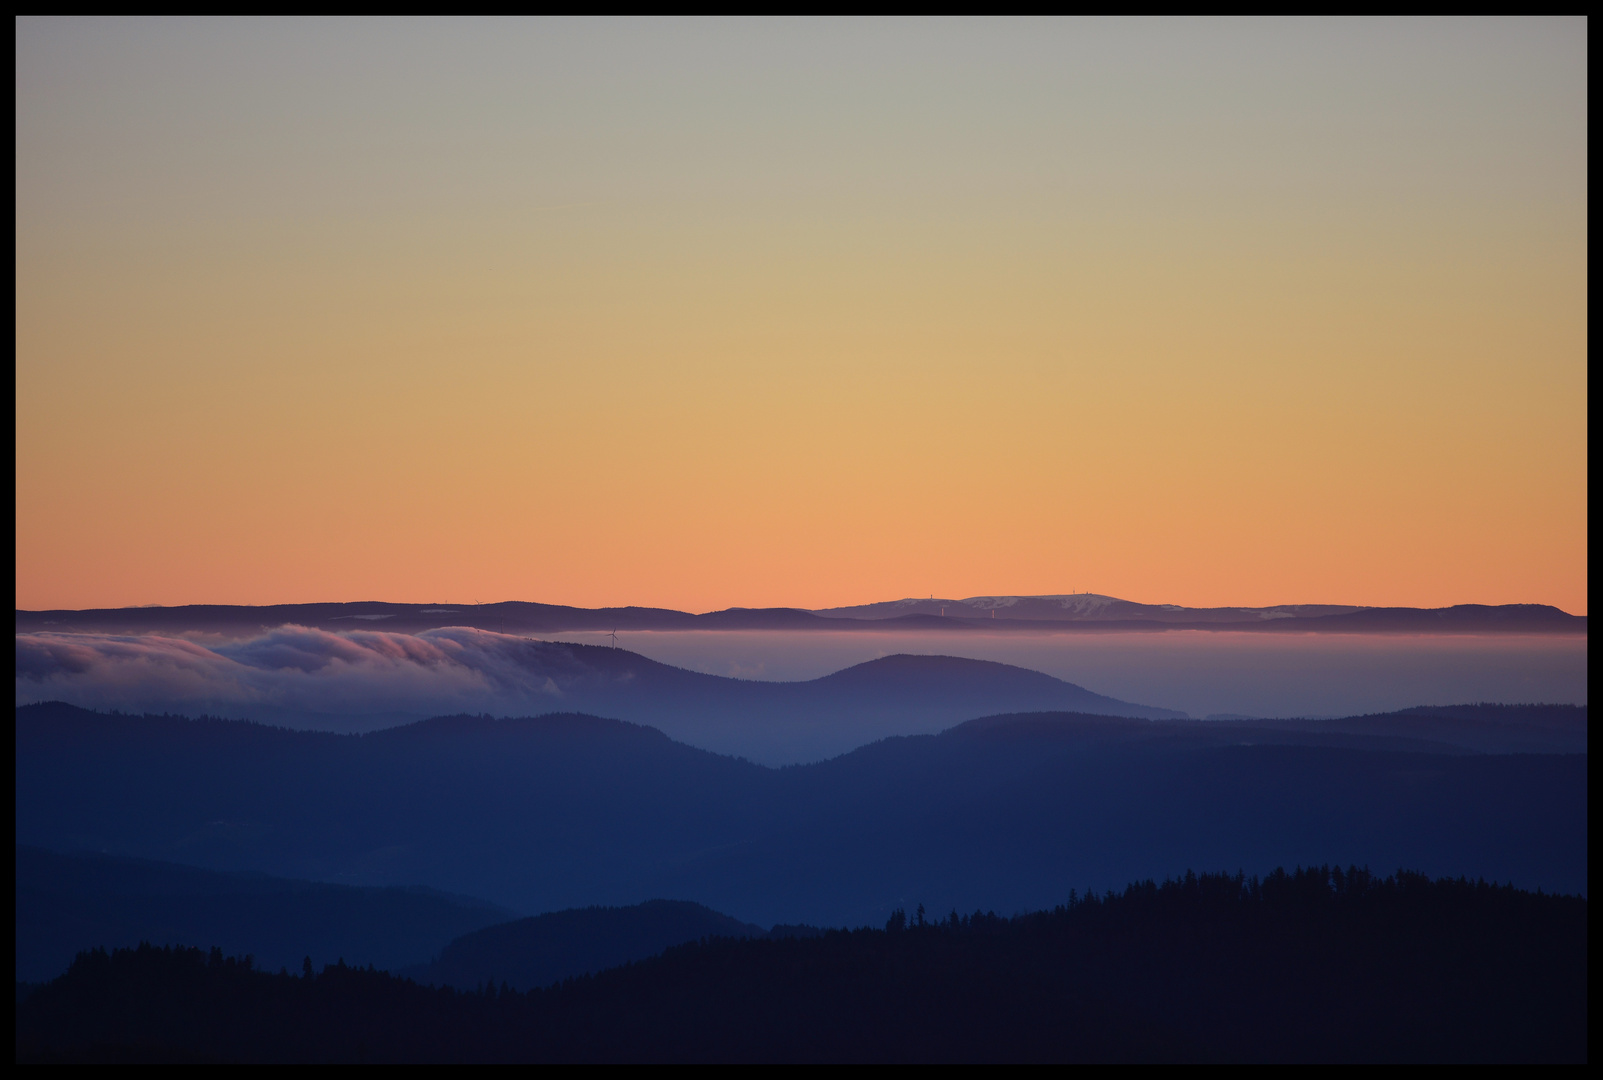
point(478, 617)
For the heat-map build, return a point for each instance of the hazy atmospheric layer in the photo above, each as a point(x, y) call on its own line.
point(290, 668)
point(1202, 673)
point(362, 680)
point(303, 676)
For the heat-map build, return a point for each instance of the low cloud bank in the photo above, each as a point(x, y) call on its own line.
point(296, 674)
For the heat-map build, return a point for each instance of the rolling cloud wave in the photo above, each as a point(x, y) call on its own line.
point(296, 671)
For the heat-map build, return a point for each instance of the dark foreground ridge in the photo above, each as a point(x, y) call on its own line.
point(1316, 965)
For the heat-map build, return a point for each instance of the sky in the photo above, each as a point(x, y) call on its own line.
point(808, 313)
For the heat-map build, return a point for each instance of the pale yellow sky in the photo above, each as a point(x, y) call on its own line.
point(712, 314)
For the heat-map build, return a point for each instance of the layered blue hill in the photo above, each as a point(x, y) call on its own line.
point(1005, 813)
point(316, 681)
point(530, 953)
point(67, 902)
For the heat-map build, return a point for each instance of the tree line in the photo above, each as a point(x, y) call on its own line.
point(1315, 964)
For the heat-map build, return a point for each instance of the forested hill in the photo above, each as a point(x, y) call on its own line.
point(1318, 965)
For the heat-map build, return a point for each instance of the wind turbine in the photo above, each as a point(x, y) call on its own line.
point(614, 637)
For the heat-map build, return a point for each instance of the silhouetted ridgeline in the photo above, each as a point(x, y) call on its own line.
point(999, 613)
point(530, 953)
point(1009, 812)
point(1490, 729)
point(1317, 965)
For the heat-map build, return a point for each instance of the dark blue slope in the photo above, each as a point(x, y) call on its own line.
point(1005, 813)
point(69, 902)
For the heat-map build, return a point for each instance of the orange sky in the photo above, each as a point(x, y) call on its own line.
point(700, 315)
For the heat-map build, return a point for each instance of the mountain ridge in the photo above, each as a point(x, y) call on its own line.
point(541, 950)
point(769, 721)
point(1068, 612)
point(541, 814)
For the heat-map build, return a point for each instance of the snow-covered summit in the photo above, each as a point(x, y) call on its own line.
point(1074, 607)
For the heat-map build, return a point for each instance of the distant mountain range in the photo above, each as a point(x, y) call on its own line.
point(1003, 813)
point(770, 723)
point(1078, 611)
point(785, 723)
point(773, 723)
point(1093, 611)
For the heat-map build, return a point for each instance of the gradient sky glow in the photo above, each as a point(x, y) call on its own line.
point(700, 314)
